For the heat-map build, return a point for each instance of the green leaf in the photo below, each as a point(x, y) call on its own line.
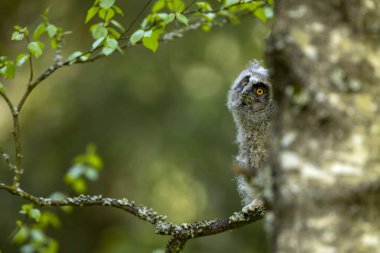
point(79, 186)
point(98, 31)
point(21, 236)
point(74, 57)
point(91, 157)
point(38, 236)
point(85, 57)
point(150, 39)
point(230, 2)
point(268, 12)
point(106, 4)
point(74, 173)
point(114, 33)
point(270, 2)
point(204, 6)
point(137, 36)
point(32, 213)
point(182, 18)
point(49, 218)
point(9, 69)
point(175, 5)
point(91, 13)
point(51, 30)
point(28, 248)
point(106, 14)
point(206, 27)
point(52, 246)
point(160, 4)
point(260, 14)
point(118, 10)
point(21, 59)
point(35, 214)
point(168, 19)
point(36, 48)
point(91, 174)
point(109, 15)
point(109, 46)
point(41, 28)
point(17, 36)
point(118, 25)
point(2, 89)
point(26, 208)
point(54, 43)
point(97, 42)
point(3, 59)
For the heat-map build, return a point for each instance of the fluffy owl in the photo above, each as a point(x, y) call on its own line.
point(250, 101)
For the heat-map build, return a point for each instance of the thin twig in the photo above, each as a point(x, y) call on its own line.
point(221, 8)
point(136, 18)
point(8, 101)
point(7, 160)
point(189, 5)
point(30, 62)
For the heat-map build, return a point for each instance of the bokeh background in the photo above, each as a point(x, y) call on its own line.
point(159, 121)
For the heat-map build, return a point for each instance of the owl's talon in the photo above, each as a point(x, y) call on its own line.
point(251, 207)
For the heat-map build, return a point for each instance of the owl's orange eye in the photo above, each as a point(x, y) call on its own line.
point(259, 91)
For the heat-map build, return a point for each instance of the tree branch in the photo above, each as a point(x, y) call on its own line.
point(8, 101)
point(165, 37)
point(7, 160)
point(18, 170)
point(18, 152)
point(221, 8)
point(180, 233)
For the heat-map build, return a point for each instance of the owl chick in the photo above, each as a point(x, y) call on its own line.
point(250, 101)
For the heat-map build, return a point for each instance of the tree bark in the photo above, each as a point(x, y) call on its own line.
point(324, 57)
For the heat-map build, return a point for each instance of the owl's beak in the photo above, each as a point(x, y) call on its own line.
point(246, 99)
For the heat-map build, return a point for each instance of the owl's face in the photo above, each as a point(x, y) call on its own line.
point(253, 94)
point(250, 97)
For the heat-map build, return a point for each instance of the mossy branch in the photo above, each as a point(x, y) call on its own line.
point(180, 233)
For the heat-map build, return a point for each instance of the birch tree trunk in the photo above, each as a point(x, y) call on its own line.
point(325, 63)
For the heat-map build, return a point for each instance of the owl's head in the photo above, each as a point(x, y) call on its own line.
point(250, 97)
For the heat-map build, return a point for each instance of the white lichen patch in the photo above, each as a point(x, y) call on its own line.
point(288, 139)
point(313, 173)
point(316, 27)
point(334, 100)
point(373, 58)
point(298, 12)
point(369, 4)
point(371, 240)
point(324, 223)
point(290, 160)
point(358, 154)
point(311, 52)
point(346, 169)
point(303, 39)
point(339, 46)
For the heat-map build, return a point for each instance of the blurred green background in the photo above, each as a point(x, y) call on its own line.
point(159, 121)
